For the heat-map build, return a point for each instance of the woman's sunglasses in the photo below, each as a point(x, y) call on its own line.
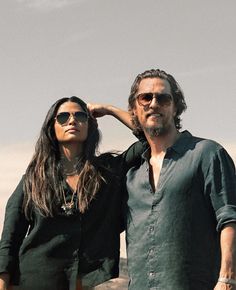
point(63, 117)
point(145, 99)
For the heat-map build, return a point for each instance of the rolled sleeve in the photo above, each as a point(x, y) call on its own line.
point(220, 186)
point(7, 264)
point(225, 215)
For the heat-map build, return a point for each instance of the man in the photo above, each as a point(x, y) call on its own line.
point(181, 204)
point(181, 198)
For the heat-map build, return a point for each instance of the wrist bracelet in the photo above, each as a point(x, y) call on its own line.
point(227, 281)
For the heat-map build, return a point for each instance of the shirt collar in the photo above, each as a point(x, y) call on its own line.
point(179, 146)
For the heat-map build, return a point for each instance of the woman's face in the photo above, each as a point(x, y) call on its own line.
point(71, 124)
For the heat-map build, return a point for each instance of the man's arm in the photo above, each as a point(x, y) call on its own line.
point(99, 110)
point(228, 257)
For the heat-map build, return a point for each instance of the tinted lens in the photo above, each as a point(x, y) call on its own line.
point(63, 117)
point(81, 116)
point(145, 99)
point(164, 99)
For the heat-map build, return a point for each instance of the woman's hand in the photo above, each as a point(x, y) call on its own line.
point(4, 281)
point(224, 286)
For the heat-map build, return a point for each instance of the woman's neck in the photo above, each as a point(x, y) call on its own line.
point(70, 156)
point(70, 152)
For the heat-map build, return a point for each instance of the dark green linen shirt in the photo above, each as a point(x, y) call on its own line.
point(173, 233)
point(49, 253)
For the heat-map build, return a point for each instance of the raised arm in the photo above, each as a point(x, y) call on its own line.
point(100, 110)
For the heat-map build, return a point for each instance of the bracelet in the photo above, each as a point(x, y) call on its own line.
point(227, 281)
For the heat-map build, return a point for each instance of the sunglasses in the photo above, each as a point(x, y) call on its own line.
point(63, 117)
point(145, 99)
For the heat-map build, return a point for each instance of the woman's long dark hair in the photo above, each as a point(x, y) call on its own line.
point(43, 183)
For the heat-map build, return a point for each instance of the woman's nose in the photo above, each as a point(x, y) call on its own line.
point(72, 119)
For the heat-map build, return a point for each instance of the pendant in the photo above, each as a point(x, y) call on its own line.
point(68, 208)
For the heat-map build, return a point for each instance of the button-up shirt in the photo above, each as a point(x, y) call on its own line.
point(173, 233)
point(51, 252)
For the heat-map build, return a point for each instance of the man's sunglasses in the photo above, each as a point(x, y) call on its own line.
point(63, 117)
point(145, 99)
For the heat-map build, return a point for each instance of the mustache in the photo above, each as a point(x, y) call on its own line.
point(156, 112)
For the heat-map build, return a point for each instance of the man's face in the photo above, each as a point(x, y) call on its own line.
point(155, 118)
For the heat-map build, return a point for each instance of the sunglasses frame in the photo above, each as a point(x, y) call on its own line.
point(74, 116)
point(165, 101)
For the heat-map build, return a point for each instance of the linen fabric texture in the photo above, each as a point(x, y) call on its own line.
point(173, 232)
point(51, 253)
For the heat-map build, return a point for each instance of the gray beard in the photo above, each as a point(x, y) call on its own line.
point(155, 132)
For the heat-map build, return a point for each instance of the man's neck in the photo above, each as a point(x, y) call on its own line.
point(159, 144)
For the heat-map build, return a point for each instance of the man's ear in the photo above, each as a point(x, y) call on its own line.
point(134, 111)
point(175, 111)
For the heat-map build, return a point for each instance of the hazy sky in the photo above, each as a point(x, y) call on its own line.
point(94, 49)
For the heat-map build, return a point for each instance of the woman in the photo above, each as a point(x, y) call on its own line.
point(63, 221)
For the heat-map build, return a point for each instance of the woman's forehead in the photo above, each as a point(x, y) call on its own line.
point(69, 107)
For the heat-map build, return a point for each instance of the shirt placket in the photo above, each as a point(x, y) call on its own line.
point(152, 259)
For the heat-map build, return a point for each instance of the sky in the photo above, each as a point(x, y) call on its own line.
point(94, 49)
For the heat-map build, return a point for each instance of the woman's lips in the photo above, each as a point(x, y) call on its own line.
point(73, 129)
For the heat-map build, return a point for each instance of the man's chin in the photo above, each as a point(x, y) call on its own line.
point(154, 131)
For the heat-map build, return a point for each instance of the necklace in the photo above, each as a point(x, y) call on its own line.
point(68, 207)
point(71, 172)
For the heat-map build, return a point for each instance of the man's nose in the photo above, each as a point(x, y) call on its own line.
point(154, 103)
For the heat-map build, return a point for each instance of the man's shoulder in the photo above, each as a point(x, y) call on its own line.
point(204, 144)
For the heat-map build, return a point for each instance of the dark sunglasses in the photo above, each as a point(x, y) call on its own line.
point(145, 99)
point(63, 117)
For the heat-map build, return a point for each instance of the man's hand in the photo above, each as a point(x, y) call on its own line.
point(98, 110)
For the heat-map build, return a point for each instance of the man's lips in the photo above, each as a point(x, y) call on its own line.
point(155, 115)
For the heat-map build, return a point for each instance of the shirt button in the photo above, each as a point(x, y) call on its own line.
point(151, 229)
point(75, 254)
point(151, 251)
point(151, 274)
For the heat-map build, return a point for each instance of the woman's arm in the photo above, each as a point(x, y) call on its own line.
point(100, 110)
point(14, 230)
point(4, 281)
